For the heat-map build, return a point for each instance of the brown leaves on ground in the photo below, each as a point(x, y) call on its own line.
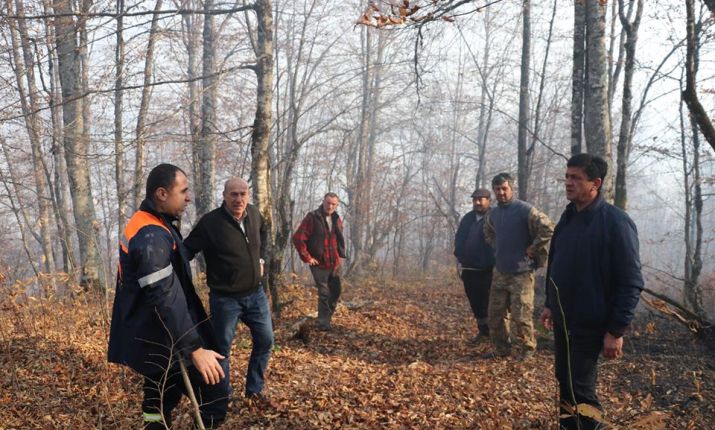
point(400, 360)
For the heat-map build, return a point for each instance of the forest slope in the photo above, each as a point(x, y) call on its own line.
point(399, 360)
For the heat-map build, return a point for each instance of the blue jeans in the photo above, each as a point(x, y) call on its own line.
point(253, 310)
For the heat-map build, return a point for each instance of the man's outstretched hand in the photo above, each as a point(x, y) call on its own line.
point(206, 362)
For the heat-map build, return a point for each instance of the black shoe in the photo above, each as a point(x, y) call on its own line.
point(323, 327)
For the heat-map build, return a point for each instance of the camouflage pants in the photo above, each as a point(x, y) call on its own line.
point(512, 294)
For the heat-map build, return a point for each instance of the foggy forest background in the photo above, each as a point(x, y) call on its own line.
point(401, 110)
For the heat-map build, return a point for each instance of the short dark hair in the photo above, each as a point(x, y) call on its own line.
point(593, 165)
point(331, 195)
point(501, 178)
point(161, 176)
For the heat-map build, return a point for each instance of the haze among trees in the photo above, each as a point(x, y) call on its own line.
point(400, 107)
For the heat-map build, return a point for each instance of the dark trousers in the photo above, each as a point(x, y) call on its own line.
point(477, 284)
point(254, 311)
point(329, 289)
point(162, 392)
point(580, 382)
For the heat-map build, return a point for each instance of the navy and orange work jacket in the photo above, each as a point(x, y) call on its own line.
point(157, 316)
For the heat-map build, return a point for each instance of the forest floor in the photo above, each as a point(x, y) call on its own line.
point(401, 360)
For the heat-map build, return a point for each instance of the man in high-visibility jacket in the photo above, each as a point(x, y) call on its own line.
point(157, 318)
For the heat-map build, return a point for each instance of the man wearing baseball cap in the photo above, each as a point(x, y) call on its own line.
point(476, 259)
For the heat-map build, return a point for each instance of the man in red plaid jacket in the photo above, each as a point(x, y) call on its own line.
point(320, 243)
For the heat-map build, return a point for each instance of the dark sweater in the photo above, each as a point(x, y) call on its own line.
point(511, 224)
point(595, 265)
point(470, 248)
point(232, 257)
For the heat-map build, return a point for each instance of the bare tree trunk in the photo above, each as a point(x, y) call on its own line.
point(357, 190)
point(119, 122)
point(76, 147)
point(84, 6)
point(260, 139)
point(523, 177)
point(596, 119)
point(58, 177)
point(692, 293)
point(140, 132)
point(25, 65)
point(690, 94)
point(625, 136)
point(191, 25)
point(375, 91)
point(484, 119)
point(207, 151)
point(578, 76)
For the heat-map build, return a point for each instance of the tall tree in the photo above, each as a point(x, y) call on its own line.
point(625, 136)
point(260, 138)
point(58, 176)
point(523, 178)
point(590, 111)
point(76, 144)
point(578, 76)
point(693, 227)
point(192, 40)
point(207, 146)
point(25, 68)
point(119, 121)
point(362, 148)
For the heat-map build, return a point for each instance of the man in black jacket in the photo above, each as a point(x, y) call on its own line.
point(476, 259)
point(232, 238)
point(594, 281)
point(157, 318)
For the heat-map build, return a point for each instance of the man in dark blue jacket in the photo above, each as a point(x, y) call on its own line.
point(593, 285)
point(157, 318)
point(476, 259)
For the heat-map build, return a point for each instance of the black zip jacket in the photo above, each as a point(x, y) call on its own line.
point(594, 262)
point(470, 247)
point(232, 257)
